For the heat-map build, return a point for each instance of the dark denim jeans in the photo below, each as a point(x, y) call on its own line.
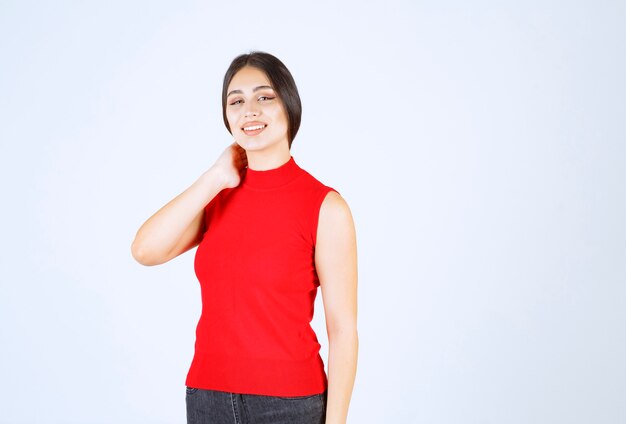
point(215, 407)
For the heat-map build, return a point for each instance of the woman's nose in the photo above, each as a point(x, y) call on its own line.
point(252, 110)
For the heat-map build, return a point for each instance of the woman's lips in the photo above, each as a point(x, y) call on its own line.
point(253, 128)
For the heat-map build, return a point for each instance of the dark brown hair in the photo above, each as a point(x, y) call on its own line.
point(281, 81)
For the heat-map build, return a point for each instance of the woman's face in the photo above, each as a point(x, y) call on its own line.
point(256, 115)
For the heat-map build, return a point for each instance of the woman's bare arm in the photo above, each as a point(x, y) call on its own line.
point(336, 263)
point(177, 226)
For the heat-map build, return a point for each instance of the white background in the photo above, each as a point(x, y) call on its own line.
point(480, 146)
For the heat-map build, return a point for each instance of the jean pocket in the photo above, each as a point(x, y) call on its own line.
point(190, 390)
point(297, 397)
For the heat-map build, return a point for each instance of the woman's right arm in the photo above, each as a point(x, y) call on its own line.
point(178, 226)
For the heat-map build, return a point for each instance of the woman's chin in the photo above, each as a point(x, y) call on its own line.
point(257, 144)
point(251, 145)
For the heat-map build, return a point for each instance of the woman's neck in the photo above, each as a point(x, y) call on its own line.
point(262, 160)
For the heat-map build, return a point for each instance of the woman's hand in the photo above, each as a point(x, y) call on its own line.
point(229, 167)
point(178, 226)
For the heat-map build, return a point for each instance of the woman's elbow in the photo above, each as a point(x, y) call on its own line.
point(143, 255)
point(346, 332)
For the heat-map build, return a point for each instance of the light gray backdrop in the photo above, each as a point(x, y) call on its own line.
point(480, 145)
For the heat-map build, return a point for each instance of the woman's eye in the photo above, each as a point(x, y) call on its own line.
point(264, 98)
point(236, 102)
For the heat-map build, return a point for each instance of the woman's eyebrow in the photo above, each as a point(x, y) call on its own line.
point(260, 87)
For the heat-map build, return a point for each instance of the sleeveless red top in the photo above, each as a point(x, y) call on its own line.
point(256, 268)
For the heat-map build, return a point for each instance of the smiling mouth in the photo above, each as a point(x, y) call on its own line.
point(253, 129)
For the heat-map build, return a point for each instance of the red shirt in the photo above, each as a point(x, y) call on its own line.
point(256, 268)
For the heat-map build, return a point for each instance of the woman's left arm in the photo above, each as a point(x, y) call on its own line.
point(336, 263)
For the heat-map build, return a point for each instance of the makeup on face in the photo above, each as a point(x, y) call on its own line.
point(251, 107)
point(254, 110)
point(262, 94)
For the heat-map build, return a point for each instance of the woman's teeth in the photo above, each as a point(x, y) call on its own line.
point(254, 127)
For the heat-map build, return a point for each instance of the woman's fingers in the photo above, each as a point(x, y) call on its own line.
point(242, 153)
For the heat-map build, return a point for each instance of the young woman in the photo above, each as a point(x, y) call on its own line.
point(268, 234)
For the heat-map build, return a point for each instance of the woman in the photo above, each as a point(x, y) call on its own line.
point(268, 234)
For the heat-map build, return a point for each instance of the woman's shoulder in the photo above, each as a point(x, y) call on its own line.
point(334, 204)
